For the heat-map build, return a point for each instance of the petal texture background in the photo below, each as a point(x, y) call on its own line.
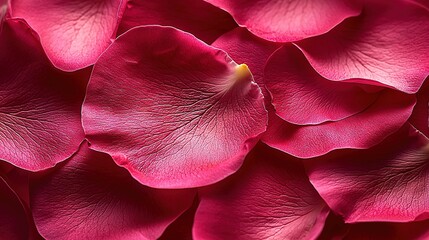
point(73, 33)
point(40, 106)
point(385, 45)
point(90, 197)
point(172, 110)
point(270, 197)
point(202, 19)
point(288, 20)
point(385, 183)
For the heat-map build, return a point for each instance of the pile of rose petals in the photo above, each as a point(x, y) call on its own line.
point(214, 119)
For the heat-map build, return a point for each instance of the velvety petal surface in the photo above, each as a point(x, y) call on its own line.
point(40, 106)
point(270, 197)
point(288, 20)
point(73, 33)
point(172, 110)
point(360, 131)
point(385, 45)
point(13, 218)
point(202, 19)
point(90, 197)
point(301, 96)
point(386, 183)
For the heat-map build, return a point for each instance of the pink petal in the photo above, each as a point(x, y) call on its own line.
point(285, 21)
point(360, 131)
point(181, 228)
point(203, 20)
point(13, 218)
point(90, 197)
point(301, 96)
point(420, 117)
point(385, 183)
point(270, 197)
point(386, 44)
point(40, 106)
point(73, 33)
point(173, 111)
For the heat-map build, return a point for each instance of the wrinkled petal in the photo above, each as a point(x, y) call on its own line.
point(420, 117)
point(385, 45)
point(270, 197)
point(40, 106)
point(90, 197)
point(360, 131)
point(301, 96)
point(175, 112)
point(203, 20)
point(285, 21)
point(385, 183)
point(73, 33)
point(13, 218)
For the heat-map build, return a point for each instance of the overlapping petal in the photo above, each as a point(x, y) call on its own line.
point(385, 45)
point(172, 110)
point(360, 131)
point(420, 116)
point(270, 197)
point(301, 96)
point(386, 183)
point(73, 33)
point(40, 106)
point(202, 19)
point(90, 197)
point(288, 20)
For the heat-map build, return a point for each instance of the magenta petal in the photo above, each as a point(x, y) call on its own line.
point(386, 44)
point(73, 33)
point(385, 183)
point(420, 117)
point(174, 111)
point(202, 19)
point(90, 197)
point(285, 21)
point(301, 96)
point(13, 218)
point(40, 106)
point(270, 197)
point(360, 131)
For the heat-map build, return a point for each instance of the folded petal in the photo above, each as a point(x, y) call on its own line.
point(174, 111)
point(202, 19)
point(420, 117)
point(385, 183)
point(73, 33)
point(270, 197)
point(90, 197)
point(40, 106)
point(385, 45)
point(181, 228)
point(301, 96)
point(285, 21)
point(360, 131)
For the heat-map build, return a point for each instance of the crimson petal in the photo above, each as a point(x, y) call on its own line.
point(174, 111)
point(385, 45)
point(285, 21)
point(270, 197)
point(40, 122)
point(90, 197)
point(73, 33)
point(385, 183)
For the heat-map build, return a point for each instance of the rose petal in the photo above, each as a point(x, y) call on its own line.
point(181, 228)
point(420, 117)
point(386, 44)
point(40, 106)
point(385, 183)
point(270, 197)
point(173, 111)
point(90, 197)
point(13, 219)
point(203, 20)
point(301, 96)
point(360, 131)
point(73, 33)
point(285, 21)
